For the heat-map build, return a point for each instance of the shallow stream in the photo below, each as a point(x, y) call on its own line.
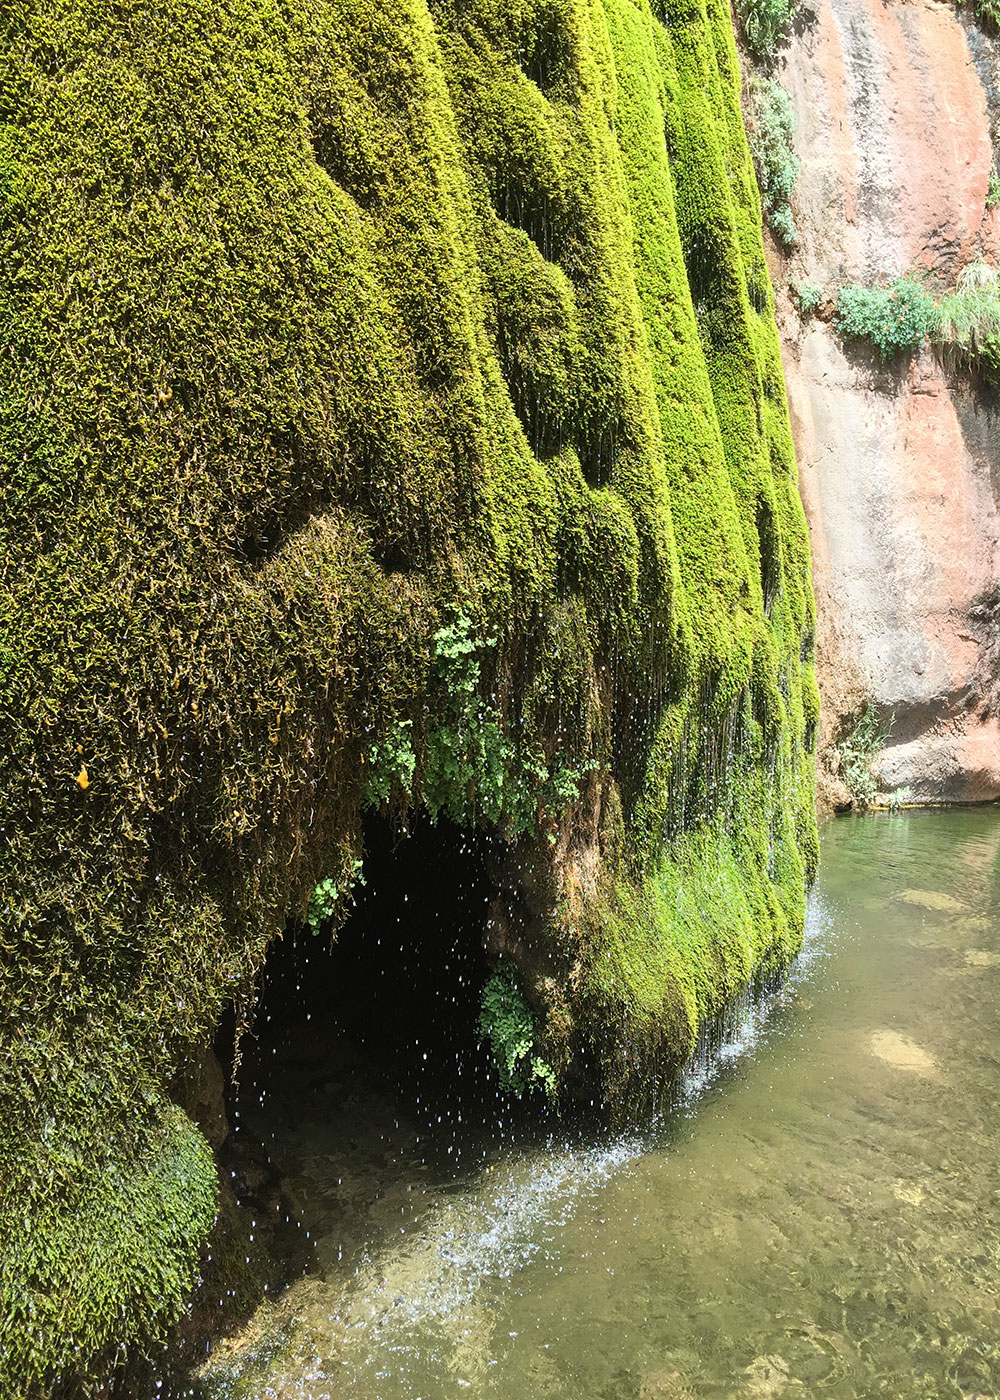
point(818, 1215)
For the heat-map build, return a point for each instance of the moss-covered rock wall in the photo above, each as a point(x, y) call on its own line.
point(390, 414)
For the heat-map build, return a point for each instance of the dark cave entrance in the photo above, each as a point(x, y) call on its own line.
point(400, 982)
point(363, 1071)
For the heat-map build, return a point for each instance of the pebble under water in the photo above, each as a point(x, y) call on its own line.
point(817, 1215)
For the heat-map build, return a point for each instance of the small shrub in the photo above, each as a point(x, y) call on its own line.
point(987, 14)
point(978, 276)
point(807, 297)
point(970, 323)
point(858, 753)
point(970, 316)
point(899, 798)
point(783, 226)
point(993, 190)
point(900, 317)
point(770, 127)
point(895, 318)
point(507, 1022)
point(764, 24)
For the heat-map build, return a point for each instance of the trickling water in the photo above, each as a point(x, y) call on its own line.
point(818, 1214)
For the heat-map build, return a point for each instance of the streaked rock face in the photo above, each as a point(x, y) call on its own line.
point(900, 466)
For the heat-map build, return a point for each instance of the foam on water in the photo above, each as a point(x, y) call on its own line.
point(423, 1298)
point(739, 1029)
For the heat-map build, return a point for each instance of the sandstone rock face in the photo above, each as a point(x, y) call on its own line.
point(900, 465)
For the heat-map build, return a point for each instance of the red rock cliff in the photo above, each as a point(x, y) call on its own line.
point(896, 107)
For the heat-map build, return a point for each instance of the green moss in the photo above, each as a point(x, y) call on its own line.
point(729, 778)
point(109, 1229)
point(391, 413)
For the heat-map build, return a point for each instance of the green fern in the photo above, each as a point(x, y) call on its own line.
point(508, 1023)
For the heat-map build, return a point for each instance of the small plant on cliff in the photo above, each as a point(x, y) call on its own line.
point(764, 24)
point(977, 276)
point(390, 763)
point(899, 798)
point(902, 316)
point(970, 316)
point(807, 297)
point(858, 753)
point(987, 14)
point(327, 894)
point(467, 754)
point(895, 318)
point(770, 127)
point(508, 1023)
point(473, 772)
point(993, 190)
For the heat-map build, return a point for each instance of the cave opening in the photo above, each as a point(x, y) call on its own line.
point(400, 980)
point(364, 1063)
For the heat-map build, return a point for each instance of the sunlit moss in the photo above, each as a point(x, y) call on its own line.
point(326, 327)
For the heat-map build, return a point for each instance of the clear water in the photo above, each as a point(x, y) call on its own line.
point(819, 1215)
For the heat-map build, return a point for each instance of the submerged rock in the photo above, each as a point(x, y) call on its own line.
point(933, 899)
point(767, 1376)
point(902, 1053)
point(982, 958)
point(664, 1385)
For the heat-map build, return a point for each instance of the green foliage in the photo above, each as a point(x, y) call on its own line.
point(507, 1022)
point(977, 276)
point(896, 318)
point(901, 317)
point(413, 431)
point(970, 316)
point(858, 753)
point(771, 128)
point(468, 755)
point(390, 765)
point(993, 190)
point(474, 773)
point(327, 894)
point(765, 23)
point(970, 324)
point(899, 798)
point(807, 297)
point(987, 14)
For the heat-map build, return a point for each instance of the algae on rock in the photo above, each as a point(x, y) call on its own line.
point(338, 337)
